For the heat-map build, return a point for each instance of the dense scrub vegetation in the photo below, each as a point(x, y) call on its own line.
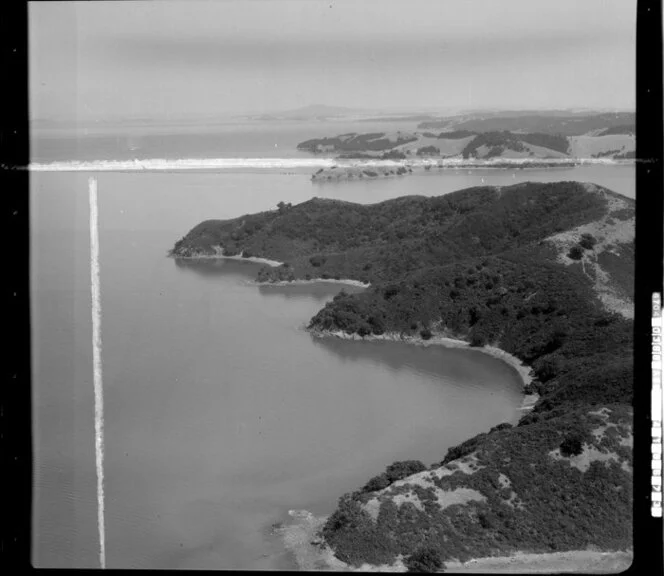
point(428, 151)
point(424, 560)
point(474, 264)
point(556, 142)
point(386, 240)
point(497, 142)
point(389, 155)
point(606, 153)
point(456, 134)
point(354, 142)
point(531, 500)
point(394, 472)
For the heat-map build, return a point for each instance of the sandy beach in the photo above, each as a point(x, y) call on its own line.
point(348, 282)
point(219, 256)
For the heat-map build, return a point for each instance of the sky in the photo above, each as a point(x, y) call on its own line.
point(165, 59)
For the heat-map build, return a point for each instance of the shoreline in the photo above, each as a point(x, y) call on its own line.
point(298, 282)
point(524, 371)
point(254, 259)
point(346, 170)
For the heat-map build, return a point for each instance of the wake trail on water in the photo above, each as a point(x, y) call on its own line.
point(97, 366)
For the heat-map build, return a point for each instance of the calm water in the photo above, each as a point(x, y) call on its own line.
point(223, 140)
point(221, 412)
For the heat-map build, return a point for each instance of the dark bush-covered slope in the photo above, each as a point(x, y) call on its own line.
point(478, 264)
point(353, 142)
point(386, 240)
point(499, 142)
point(507, 491)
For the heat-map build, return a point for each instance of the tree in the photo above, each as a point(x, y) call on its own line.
point(424, 560)
point(282, 207)
point(575, 253)
point(477, 339)
point(404, 468)
point(547, 369)
point(587, 241)
point(571, 446)
point(377, 483)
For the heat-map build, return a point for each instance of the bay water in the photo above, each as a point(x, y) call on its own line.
point(221, 412)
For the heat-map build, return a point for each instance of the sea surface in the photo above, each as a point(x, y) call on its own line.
point(221, 412)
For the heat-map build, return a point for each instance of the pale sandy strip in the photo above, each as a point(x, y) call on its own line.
point(160, 164)
point(314, 281)
point(584, 561)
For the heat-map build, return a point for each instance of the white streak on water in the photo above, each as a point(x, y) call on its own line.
point(96, 363)
point(162, 164)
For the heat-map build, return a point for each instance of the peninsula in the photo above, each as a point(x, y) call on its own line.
point(543, 271)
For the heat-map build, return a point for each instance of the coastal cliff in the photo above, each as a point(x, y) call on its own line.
point(541, 271)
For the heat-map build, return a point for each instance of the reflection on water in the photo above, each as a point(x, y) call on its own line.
point(318, 290)
point(218, 267)
point(247, 270)
point(460, 366)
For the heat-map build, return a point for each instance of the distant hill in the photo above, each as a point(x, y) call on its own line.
point(608, 142)
point(398, 118)
point(312, 112)
point(544, 271)
point(569, 125)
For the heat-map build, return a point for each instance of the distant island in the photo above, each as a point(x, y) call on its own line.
point(563, 123)
point(542, 271)
point(523, 140)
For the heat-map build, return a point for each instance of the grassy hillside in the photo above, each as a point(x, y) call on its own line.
point(477, 144)
point(543, 271)
point(615, 145)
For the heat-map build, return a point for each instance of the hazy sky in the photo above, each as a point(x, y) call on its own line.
point(185, 58)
